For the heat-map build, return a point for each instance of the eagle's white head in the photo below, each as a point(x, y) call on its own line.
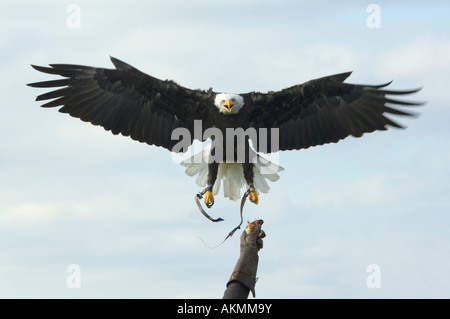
point(229, 103)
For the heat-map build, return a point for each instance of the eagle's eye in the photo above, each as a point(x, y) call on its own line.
point(222, 101)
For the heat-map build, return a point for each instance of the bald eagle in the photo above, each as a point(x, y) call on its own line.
point(127, 101)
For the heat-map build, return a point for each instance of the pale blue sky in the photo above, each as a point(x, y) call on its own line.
point(72, 193)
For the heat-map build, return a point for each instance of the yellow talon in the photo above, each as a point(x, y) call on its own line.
point(253, 195)
point(209, 199)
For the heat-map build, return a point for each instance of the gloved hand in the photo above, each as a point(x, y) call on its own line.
point(245, 269)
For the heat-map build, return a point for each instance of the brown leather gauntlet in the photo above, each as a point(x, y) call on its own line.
point(244, 272)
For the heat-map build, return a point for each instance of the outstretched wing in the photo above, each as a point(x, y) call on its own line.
point(325, 110)
point(125, 100)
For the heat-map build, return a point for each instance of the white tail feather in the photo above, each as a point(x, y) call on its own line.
point(232, 174)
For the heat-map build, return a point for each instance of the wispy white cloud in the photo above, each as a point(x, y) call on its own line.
point(422, 56)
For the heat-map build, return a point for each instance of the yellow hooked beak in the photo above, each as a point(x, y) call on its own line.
point(228, 105)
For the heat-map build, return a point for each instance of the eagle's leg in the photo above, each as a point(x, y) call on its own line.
point(248, 175)
point(209, 198)
point(212, 176)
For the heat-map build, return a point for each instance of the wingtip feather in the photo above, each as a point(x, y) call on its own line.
point(120, 64)
point(341, 76)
